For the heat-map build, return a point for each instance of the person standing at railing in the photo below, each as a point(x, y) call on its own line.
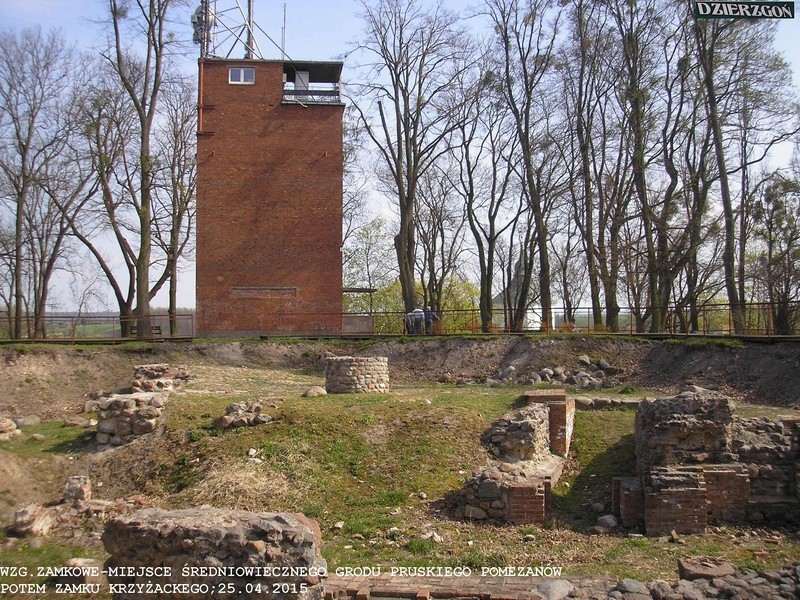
point(430, 318)
point(418, 317)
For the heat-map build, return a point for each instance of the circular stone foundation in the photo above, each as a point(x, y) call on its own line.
point(357, 375)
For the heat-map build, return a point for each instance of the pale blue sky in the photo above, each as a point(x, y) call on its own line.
point(315, 30)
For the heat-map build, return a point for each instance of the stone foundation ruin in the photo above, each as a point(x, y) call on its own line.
point(530, 447)
point(123, 417)
point(221, 553)
point(698, 465)
point(354, 375)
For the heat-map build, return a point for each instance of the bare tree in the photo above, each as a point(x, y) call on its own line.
point(778, 228)
point(412, 53)
point(440, 223)
point(484, 151)
point(582, 65)
point(524, 50)
point(743, 81)
point(139, 46)
point(37, 165)
point(176, 179)
point(354, 184)
point(109, 123)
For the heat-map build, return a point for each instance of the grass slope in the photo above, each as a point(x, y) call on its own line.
point(379, 465)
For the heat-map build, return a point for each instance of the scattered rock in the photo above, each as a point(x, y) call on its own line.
point(508, 373)
point(607, 521)
point(75, 421)
point(555, 589)
point(597, 530)
point(243, 414)
point(29, 421)
point(432, 536)
point(703, 567)
point(631, 586)
point(8, 428)
point(315, 391)
point(474, 512)
point(77, 489)
point(33, 521)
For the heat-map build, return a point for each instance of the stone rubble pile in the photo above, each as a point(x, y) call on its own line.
point(124, 417)
point(244, 414)
point(75, 516)
point(159, 377)
point(588, 375)
point(702, 578)
point(485, 494)
point(528, 448)
point(8, 428)
point(521, 435)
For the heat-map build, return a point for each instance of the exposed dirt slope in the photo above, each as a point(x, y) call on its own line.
point(52, 381)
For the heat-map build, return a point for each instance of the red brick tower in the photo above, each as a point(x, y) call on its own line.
point(269, 198)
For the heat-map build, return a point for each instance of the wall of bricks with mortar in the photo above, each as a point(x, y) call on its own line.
point(269, 207)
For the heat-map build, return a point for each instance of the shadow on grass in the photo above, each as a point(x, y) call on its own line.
point(574, 495)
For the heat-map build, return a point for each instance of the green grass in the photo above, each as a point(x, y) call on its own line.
point(57, 440)
point(701, 343)
point(603, 447)
point(364, 459)
point(49, 554)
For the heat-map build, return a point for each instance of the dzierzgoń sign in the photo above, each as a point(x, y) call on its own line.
point(744, 10)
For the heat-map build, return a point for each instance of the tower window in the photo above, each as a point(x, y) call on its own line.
point(242, 75)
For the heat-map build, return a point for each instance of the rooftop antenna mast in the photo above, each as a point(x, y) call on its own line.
point(204, 23)
point(283, 32)
point(248, 51)
point(233, 25)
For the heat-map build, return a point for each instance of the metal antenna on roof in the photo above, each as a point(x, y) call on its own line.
point(234, 24)
point(203, 23)
point(250, 41)
point(283, 33)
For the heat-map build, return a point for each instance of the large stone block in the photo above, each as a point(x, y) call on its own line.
point(246, 554)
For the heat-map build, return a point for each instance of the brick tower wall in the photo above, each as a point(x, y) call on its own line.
point(269, 207)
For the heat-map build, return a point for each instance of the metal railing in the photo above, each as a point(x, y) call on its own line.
point(102, 328)
point(710, 319)
point(313, 95)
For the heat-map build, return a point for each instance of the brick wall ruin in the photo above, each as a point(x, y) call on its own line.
point(697, 465)
point(354, 375)
point(529, 447)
